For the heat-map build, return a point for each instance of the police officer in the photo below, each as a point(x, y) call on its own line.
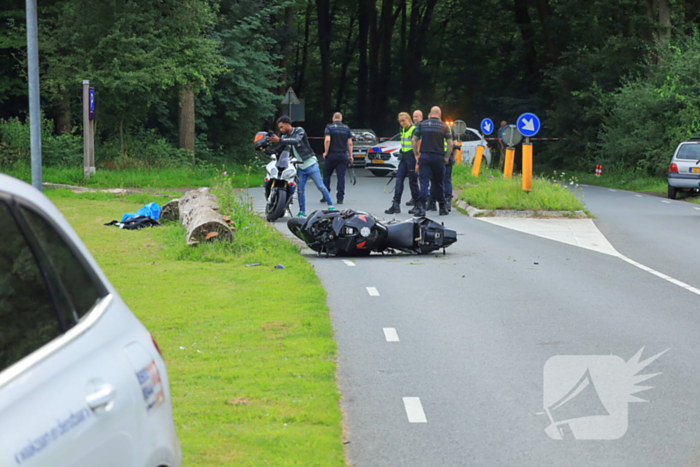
point(448, 178)
point(337, 154)
point(429, 146)
point(417, 118)
point(407, 164)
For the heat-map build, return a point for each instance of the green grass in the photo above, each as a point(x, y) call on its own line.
point(621, 180)
point(491, 191)
point(183, 177)
point(254, 381)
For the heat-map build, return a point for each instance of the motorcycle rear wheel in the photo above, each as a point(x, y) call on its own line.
point(277, 205)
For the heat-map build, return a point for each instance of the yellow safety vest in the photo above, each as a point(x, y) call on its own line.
point(407, 139)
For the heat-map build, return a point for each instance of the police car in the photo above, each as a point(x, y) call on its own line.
point(383, 159)
point(82, 382)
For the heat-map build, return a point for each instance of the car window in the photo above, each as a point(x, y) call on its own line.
point(397, 137)
point(81, 287)
point(28, 318)
point(470, 136)
point(689, 151)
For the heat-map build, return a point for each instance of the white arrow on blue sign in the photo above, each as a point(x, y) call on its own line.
point(528, 124)
point(486, 126)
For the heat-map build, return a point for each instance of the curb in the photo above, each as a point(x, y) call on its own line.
point(475, 212)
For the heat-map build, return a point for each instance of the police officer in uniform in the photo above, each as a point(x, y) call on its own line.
point(407, 165)
point(417, 118)
point(448, 178)
point(429, 146)
point(337, 154)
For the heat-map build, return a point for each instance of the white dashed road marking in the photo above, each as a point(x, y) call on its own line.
point(697, 209)
point(638, 196)
point(611, 189)
point(414, 410)
point(349, 263)
point(667, 202)
point(372, 291)
point(391, 335)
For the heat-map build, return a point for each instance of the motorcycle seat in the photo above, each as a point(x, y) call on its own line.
point(401, 235)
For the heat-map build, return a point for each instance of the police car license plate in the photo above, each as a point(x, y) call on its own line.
point(378, 161)
point(695, 170)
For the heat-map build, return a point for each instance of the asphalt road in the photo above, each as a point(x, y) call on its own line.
point(476, 327)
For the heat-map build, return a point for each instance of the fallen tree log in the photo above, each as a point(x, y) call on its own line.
point(171, 211)
point(199, 213)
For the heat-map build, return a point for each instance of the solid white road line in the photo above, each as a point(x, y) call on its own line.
point(414, 410)
point(349, 263)
point(391, 335)
point(372, 291)
point(661, 275)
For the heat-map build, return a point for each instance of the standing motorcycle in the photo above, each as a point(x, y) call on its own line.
point(280, 179)
point(353, 233)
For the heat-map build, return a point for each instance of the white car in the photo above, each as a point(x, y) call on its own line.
point(383, 159)
point(82, 382)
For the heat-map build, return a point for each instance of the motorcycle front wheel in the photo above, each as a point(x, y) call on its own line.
point(277, 205)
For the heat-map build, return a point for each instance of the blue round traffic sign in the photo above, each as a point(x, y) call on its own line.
point(486, 126)
point(528, 124)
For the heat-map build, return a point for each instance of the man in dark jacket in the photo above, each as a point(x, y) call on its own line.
point(337, 154)
point(295, 139)
point(432, 140)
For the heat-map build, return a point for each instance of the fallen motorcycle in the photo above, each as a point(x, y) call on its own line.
point(354, 233)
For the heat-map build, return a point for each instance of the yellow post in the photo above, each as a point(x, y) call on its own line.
point(477, 160)
point(510, 159)
point(527, 167)
point(458, 152)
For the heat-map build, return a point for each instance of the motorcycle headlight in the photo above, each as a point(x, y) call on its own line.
point(288, 173)
point(274, 171)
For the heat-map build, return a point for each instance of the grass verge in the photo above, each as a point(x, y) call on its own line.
point(491, 191)
point(183, 177)
point(621, 180)
point(249, 349)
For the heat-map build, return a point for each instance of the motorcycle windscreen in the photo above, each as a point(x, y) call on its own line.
point(283, 161)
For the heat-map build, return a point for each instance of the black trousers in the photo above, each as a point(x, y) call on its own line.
point(407, 168)
point(332, 162)
point(432, 169)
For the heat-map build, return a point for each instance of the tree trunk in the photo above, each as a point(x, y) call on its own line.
point(373, 64)
point(545, 13)
point(171, 210)
point(199, 214)
point(305, 49)
point(324, 44)
point(63, 117)
point(289, 22)
point(187, 130)
point(522, 18)
point(363, 20)
point(349, 52)
point(412, 74)
point(386, 26)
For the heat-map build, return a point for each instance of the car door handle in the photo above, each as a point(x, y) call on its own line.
point(101, 398)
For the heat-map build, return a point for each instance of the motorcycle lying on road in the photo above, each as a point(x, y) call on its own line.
point(354, 233)
point(280, 179)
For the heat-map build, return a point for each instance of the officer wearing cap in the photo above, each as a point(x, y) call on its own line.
point(429, 142)
point(337, 154)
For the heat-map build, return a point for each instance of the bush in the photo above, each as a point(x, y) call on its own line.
point(650, 115)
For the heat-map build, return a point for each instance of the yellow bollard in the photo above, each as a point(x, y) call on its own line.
point(527, 167)
point(477, 160)
point(510, 159)
point(458, 152)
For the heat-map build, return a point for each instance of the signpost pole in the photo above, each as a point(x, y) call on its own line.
point(34, 103)
point(91, 116)
point(86, 129)
point(527, 166)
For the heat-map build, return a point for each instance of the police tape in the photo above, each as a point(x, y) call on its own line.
point(532, 139)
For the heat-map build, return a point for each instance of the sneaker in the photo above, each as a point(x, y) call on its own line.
point(323, 200)
point(331, 208)
point(301, 214)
